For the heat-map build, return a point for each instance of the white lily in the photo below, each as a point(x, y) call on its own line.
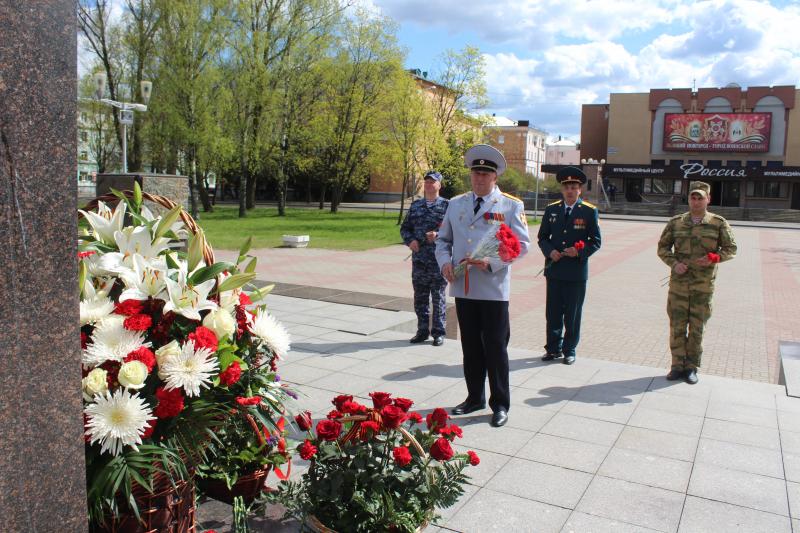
point(188, 300)
point(105, 223)
point(130, 241)
point(146, 280)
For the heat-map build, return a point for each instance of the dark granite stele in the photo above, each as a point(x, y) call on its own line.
point(362, 299)
point(42, 465)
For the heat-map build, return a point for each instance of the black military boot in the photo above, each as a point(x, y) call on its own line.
point(691, 376)
point(419, 337)
point(675, 374)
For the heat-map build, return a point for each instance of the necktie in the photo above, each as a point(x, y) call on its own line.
point(477, 205)
point(568, 211)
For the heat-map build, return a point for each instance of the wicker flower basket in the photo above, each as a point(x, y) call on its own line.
point(170, 508)
point(312, 521)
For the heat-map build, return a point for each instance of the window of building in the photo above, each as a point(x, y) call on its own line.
point(658, 162)
point(753, 163)
point(768, 189)
point(774, 164)
point(696, 161)
point(84, 156)
point(83, 176)
point(501, 139)
point(714, 163)
point(658, 186)
point(84, 136)
point(677, 189)
point(734, 163)
point(675, 162)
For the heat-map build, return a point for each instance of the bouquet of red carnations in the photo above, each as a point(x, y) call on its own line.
point(502, 244)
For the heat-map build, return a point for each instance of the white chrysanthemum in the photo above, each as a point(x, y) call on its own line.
point(95, 309)
point(271, 333)
point(117, 420)
point(112, 342)
point(190, 370)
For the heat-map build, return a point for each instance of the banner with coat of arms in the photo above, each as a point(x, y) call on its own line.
point(717, 132)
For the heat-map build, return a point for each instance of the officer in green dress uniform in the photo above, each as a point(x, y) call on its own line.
point(684, 246)
point(568, 236)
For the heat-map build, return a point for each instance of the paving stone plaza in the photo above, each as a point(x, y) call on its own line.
point(607, 444)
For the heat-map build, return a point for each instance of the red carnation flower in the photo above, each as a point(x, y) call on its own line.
point(160, 331)
point(474, 460)
point(415, 417)
point(128, 307)
point(144, 355)
point(307, 450)
point(170, 403)
point(402, 456)
point(245, 401)
point(339, 401)
point(451, 432)
point(437, 419)
point(380, 399)
point(303, 420)
point(714, 258)
point(204, 338)
point(231, 375)
point(392, 416)
point(112, 369)
point(579, 245)
point(328, 429)
point(403, 403)
point(244, 299)
point(368, 429)
point(148, 430)
point(84, 340)
point(441, 450)
point(82, 255)
point(138, 322)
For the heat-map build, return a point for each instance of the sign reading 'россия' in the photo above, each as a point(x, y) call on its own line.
point(717, 132)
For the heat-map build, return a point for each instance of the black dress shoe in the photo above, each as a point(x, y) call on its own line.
point(675, 374)
point(569, 359)
point(691, 376)
point(467, 407)
point(499, 418)
point(438, 340)
point(550, 356)
point(418, 338)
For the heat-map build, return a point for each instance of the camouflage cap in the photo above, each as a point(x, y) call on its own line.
point(700, 187)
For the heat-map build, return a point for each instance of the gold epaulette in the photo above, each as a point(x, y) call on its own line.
point(511, 196)
point(588, 204)
point(554, 203)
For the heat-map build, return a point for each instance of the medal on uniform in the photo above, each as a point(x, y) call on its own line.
point(580, 223)
point(494, 218)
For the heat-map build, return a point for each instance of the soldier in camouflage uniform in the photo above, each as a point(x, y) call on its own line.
point(419, 231)
point(684, 246)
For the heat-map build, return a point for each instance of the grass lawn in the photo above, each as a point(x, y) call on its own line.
point(346, 230)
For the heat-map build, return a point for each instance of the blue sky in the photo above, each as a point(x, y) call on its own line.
point(544, 58)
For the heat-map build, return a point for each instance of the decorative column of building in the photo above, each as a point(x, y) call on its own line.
point(42, 472)
point(593, 174)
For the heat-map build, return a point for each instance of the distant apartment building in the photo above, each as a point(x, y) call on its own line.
point(523, 145)
point(744, 142)
point(563, 152)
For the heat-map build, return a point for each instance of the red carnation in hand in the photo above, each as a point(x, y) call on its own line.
point(579, 245)
point(303, 420)
point(339, 401)
point(307, 450)
point(204, 338)
point(230, 375)
point(714, 258)
point(441, 450)
point(415, 417)
point(252, 400)
point(403, 403)
point(138, 322)
point(508, 247)
point(144, 355)
point(392, 416)
point(474, 460)
point(437, 419)
point(402, 456)
point(368, 429)
point(129, 307)
point(170, 403)
point(380, 399)
point(328, 429)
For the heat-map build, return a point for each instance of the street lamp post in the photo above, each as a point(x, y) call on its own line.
point(126, 110)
